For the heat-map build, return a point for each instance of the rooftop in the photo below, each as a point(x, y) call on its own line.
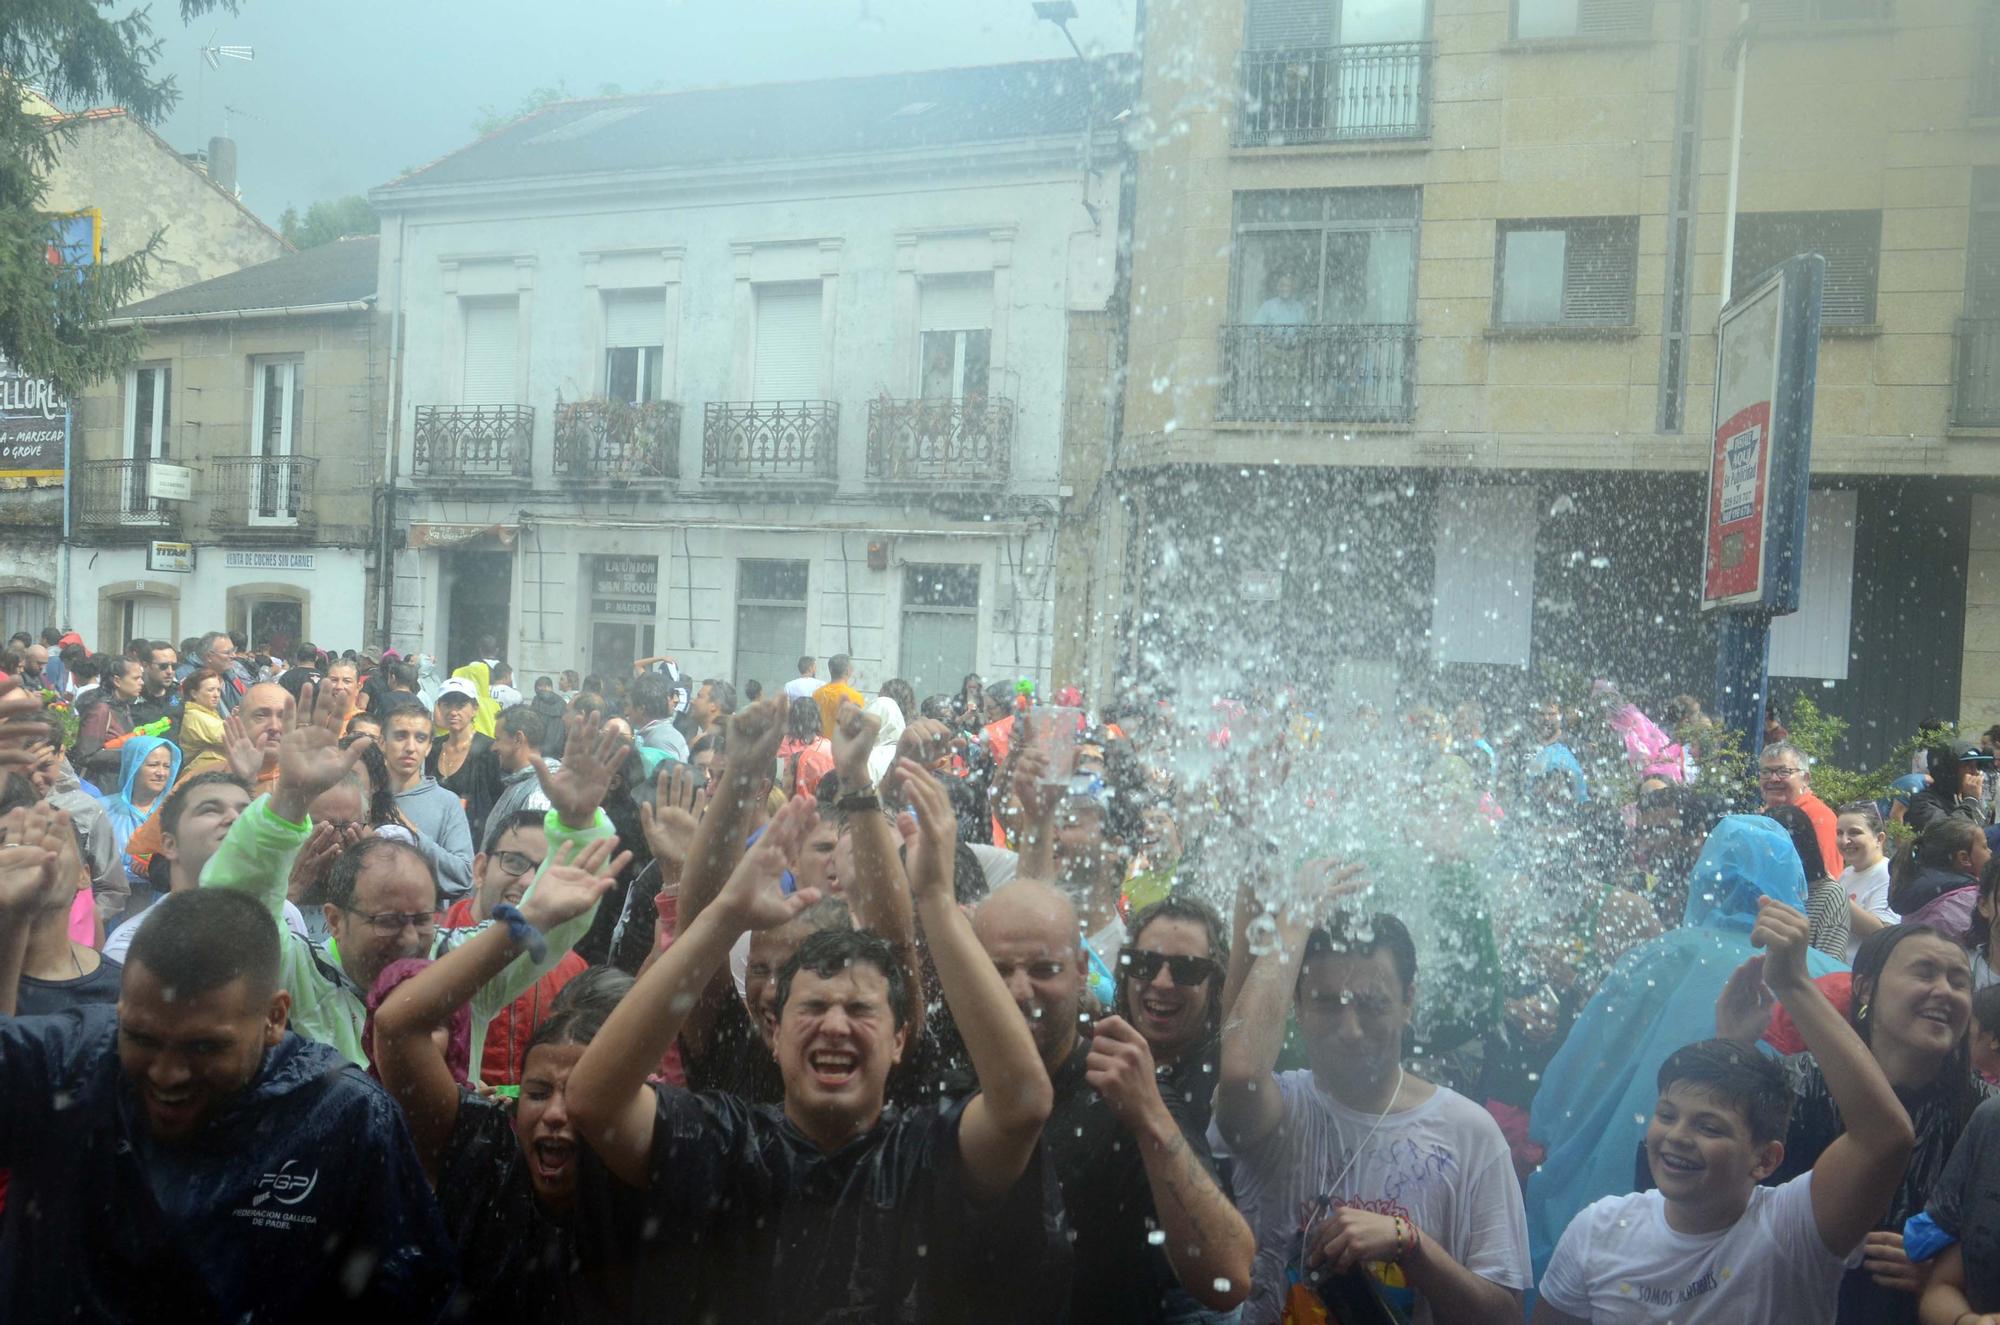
point(341, 272)
point(778, 121)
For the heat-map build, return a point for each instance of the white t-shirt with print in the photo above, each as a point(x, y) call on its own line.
point(1443, 1165)
point(1619, 1262)
point(1869, 888)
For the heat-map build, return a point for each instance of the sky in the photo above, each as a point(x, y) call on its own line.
point(343, 95)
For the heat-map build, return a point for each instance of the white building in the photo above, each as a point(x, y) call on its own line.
point(746, 374)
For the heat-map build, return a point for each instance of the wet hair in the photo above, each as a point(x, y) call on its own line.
point(999, 695)
point(400, 705)
point(201, 940)
point(1743, 1078)
point(580, 1009)
point(1786, 750)
point(518, 821)
point(903, 693)
point(652, 696)
point(347, 867)
point(1870, 960)
point(1180, 906)
point(51, 725)
point(722, 695)
point(380, 791)
point(1977, 928)
point(1805, 839)
point(938, 708)
point(17, 793)
point(1866, 811)
point(177, 799)
point(803, 722)
point(521, 720)
point(828, 952)
point(1362, 936)
point(838, 666)
point(1986, 1010)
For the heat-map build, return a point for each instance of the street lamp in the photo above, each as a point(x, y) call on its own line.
point(1059, 12)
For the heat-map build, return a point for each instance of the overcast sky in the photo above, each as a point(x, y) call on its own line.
point(346, 94)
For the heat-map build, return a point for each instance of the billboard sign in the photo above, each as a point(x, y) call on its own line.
point(34, 417)
point(1767, 355)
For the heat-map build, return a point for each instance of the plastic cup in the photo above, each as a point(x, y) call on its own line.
point(1056, 730)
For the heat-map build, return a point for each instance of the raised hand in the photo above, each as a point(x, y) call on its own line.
point(323, 846)
point(753, 898)
point(1119, 1067)
point(18, 738)
point(1785, 936)
point(755, 733)
point(246, 760)
point(1743, 1009)
point(573, 882)
point(856, 733)
point(27, 867)
point(669, 828)
point(925, 740)
point(933, 856)
point(310, 758)
point(591, 756)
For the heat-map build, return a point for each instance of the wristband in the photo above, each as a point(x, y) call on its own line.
point(524, 934)
point(858, 802)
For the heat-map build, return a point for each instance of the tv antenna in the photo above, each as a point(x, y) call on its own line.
point(212, 56)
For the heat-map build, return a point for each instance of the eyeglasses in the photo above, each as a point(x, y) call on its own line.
point(513, 864)
point(1780, 770)
point(392, 922)
point(1144, 966)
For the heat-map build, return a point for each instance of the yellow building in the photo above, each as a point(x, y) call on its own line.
point(1421, 343)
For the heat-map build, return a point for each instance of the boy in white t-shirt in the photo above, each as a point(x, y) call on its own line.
point(1710, 1245)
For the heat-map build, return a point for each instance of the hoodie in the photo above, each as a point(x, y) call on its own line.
point(100, 843)
point(125, 816)
point(519, 790)
point(1935, 895)
point(259, 1217)
point(442, 834)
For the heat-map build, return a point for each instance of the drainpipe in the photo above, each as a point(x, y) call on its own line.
point(392, 427)
point(1741, 50)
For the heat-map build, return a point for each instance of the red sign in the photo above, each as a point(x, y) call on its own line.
point(1738, 484)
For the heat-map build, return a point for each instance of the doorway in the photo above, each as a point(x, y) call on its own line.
point(479, 590)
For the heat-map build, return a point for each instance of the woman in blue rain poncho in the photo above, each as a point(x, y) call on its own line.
point(1600, 1088)
point(147, 766)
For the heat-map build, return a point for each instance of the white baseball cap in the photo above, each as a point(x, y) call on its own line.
point(458, 685)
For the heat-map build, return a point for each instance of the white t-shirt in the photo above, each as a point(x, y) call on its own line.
point(1443, 1165)
point(120, 942)
point(802, 687)
point(1619, 1261)
point(1870, 888)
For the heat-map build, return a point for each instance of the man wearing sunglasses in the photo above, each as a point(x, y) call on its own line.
point(1130, 1158)
point(515, 850)
point(1170, 989)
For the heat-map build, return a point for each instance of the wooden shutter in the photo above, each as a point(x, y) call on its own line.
point(492, 352)
point(1614, 18)
point(1600, 264)
point(634, 317)
point(789, 342)
point(1283, 24)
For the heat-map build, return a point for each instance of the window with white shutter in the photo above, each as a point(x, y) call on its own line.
point(634, 340)
point(1604, 19)
point(1851, 243)
point(491, 373)
point(790, 342)
point(1483, 587)
point(1567, 273)
point(1288, 24)
point(1813, 641)
point(955, 320)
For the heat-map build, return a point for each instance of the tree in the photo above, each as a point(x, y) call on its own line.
point(489, 119)
point(75, 55)
point(325, 222)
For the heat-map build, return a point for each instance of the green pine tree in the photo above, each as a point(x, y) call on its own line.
point(77, 56)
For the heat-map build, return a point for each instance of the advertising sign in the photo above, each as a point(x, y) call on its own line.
point(177, 558)
point(33, 418)
point(165, 482)
point(1767, 353)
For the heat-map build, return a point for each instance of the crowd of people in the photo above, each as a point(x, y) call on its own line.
point(330, 982)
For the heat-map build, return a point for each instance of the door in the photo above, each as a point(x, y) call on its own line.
point(274, 625)
point(770, 620)
point(146, 617)
point(615, 644)
point(481, 586)
point(273, 494)
point(148, 415)
point(1381, 84)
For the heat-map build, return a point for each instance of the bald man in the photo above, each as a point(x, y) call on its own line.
point(1107, 1095)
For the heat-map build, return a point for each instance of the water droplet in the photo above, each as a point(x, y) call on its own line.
point(1157, 1238)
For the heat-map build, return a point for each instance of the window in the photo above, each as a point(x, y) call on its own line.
point(634, 340)
point(1976, 377)
point(1567, 273)
point(1326, 257)
point(491, 371)
point(1818, 11)
point(1311, 24)
point(1982, 249)
point(1546, 19)
point(940, 627)
point(770, 620)
point(956, 346)
point(788, 346)
point(1849, 241)
point(148, 418)
point(274, 625)
point(1813, 641)
point(277, 407)
point(22, 610)
point(1483, 588)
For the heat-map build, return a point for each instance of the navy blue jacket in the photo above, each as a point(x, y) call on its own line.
point(303, 1201)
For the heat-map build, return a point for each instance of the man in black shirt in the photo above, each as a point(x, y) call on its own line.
point(1150, 1224)
point(57, 972)
point(833, 1207)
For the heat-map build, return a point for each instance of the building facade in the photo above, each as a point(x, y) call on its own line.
point(266, 386)
point(744, 375)
point(1422, 344)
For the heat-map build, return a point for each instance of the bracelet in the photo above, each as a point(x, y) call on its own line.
point(858, 802)
point(524, 934)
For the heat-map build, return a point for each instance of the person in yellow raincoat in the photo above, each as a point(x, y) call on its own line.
point(487, 709)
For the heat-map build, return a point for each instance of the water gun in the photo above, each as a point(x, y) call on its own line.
point(157, 727)
point(1024, 694)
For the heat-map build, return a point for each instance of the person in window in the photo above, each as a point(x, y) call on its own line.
point(1283, 307)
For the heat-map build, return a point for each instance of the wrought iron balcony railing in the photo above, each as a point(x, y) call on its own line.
point(247, 492)
point(1334, 94)
point(785, 441)
point(940, 442)
point(1975, 396)
point(111, 500)
point(1353, 373)
point(456, 442)
point(614, 441)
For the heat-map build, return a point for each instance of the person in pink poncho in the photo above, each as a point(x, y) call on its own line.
point(1650, 751)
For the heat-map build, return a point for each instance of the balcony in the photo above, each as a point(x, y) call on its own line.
point(940, 442)
point(612, 442)
point(112, 505)
point(1975, 397)
point(784, 442)
point(256, 495)
point(481, 443)
point(1356, 373)
point(1334, 94)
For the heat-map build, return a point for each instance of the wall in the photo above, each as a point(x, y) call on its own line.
point(335, 591)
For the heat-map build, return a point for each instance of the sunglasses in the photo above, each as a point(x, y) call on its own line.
point(1144, 967)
